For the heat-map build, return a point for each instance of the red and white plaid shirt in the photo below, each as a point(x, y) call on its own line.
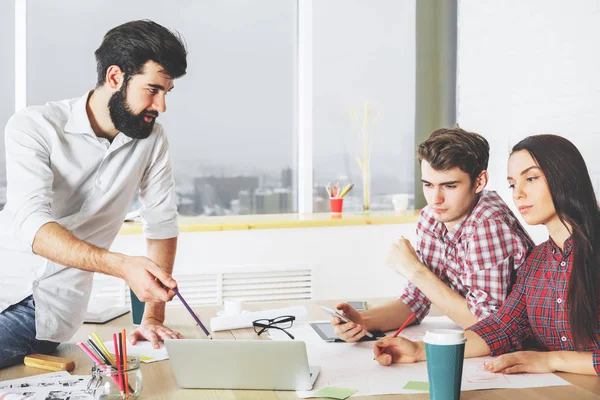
point(536, 308)
point(476, 258)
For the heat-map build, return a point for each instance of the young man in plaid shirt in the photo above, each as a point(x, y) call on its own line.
point(469, 243)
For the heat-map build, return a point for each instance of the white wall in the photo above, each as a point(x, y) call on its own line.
point(349, 262)
point(529, 67)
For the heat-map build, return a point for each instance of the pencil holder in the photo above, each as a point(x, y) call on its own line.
point(112, 383)
point(336, 204)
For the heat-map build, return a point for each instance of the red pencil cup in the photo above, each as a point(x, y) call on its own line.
point(336, 204)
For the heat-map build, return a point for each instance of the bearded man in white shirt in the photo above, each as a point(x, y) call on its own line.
point(73, 168)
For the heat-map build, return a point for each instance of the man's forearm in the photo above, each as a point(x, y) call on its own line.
point(444, 298)
point(387, 317)
point(56, 243)
point(162, 252)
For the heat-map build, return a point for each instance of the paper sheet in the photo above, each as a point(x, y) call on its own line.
point(53, 386)
point(351, 365)
point(144, 350)
point(245, 320)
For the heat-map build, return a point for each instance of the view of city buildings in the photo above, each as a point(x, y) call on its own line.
point(271, 194)
point(255, 194)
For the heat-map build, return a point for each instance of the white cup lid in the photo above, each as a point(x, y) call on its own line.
point(445, 337)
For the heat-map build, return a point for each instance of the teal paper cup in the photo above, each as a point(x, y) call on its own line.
point(137, 309)
point(445, 352)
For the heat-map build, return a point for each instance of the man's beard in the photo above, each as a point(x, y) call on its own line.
point(125, 120)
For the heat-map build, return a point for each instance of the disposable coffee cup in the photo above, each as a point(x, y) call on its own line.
point(137, 309)
point(445, 352)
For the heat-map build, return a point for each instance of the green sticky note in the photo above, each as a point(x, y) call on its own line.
point(335, 393)
point(415, 385)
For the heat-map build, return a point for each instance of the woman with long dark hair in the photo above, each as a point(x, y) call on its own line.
point(554, 303)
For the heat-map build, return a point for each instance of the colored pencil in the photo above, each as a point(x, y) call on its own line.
point(98, 362)
point(125, 361)
point(346, 190)
point(121, 360)
point(191, 312)
point(404, 325)
point(118, 362)
point(100, 344)
point(101, 356)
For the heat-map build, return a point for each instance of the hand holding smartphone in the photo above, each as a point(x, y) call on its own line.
point(342, 317)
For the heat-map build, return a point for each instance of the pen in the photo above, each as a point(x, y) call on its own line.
point(176, 290)
point(404, 325)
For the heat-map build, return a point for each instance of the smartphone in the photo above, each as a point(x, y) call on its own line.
point(358, 305)
point(340, 316)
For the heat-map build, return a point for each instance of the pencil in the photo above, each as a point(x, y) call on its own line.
point(101, 356)
point(122, 374)
point(118, 364)
point(176, 290)
point(98, 362)
point(346, 190)
point(404, 325)
point(100, 344)
point(125, 362)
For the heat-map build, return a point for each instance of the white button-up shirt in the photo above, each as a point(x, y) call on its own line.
point(58, 170)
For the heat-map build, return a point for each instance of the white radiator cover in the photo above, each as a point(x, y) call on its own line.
point(244, 283)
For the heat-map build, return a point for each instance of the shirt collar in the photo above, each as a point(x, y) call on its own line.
point(454, 233)
point(78, 121)
point(567, 246)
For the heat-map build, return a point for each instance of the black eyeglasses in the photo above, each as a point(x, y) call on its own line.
point(282, 323)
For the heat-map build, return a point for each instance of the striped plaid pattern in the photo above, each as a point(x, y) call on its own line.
point(536, 308)
point(476, 258)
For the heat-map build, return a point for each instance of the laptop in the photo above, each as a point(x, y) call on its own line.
point(241, 364)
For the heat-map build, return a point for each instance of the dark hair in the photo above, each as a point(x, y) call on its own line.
point(454, 147)
point(131, 45)
point(576, 205)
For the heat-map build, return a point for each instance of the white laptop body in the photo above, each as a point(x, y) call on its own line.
point(241, 364)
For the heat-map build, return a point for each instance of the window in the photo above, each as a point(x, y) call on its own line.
point(363, 51)
point(7, 70)
point(230, 120)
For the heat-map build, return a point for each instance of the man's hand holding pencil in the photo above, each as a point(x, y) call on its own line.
point(149, 282)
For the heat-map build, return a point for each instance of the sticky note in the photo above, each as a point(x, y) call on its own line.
point(415, 385)
point(335, 393)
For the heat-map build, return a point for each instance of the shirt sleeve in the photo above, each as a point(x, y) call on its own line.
point(157, 194)
point(509, 328)
point(416, 301)
point(29, 178)
point(494, 252)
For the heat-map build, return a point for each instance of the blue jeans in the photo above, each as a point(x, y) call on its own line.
point(17, 334)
